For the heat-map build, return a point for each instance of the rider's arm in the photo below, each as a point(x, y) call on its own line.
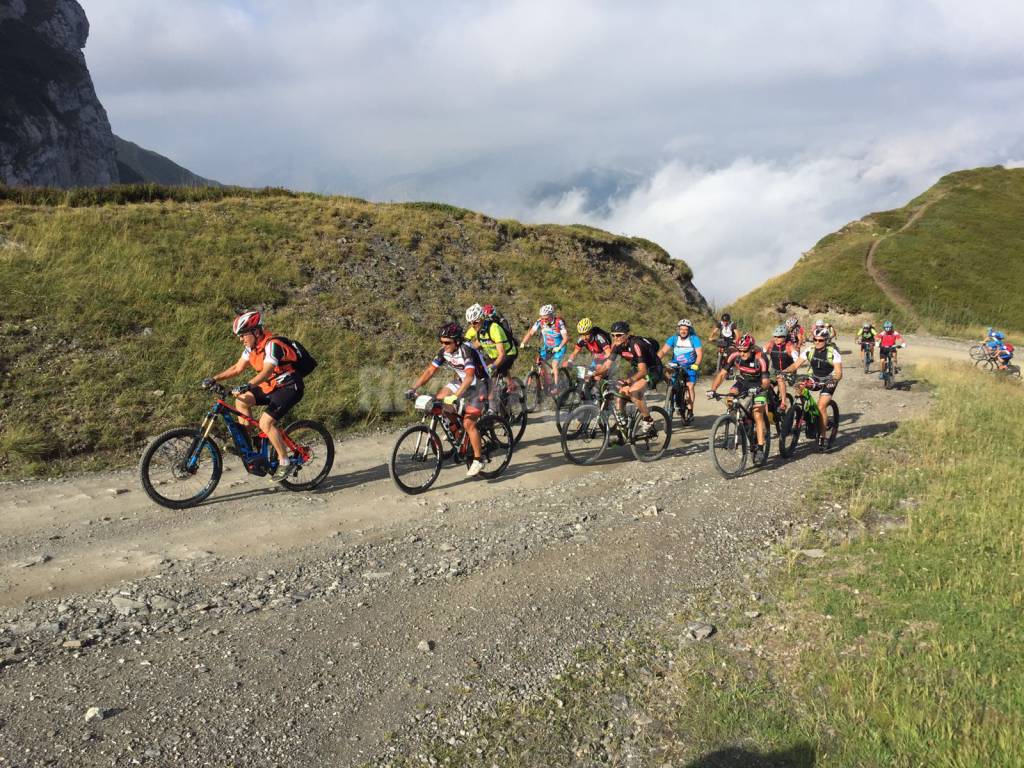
point(467, 381)
point(235, 370)
point(719, 378)
point(565, 338)
point(264, 375)
point(641, 373)
point(796, 365)
point(837, 372)
point(427, 375)
point(700, 355)
point(500, 347)
point(528, 335)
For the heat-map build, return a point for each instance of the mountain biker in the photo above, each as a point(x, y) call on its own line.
point(554, 338)
point(487, 336)
point(781, 352)
point(1000, 351)
point(820, 323)
point(598, 343)
point(866, 339)
point(687, 353)
point(889, 341)
point(643, 356)
point(277, 384)
point(795, 332)
point(826, 371)
point(724, 334)
point(471, 383)
point(751, 377)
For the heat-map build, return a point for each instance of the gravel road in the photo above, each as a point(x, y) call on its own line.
point(272, 628)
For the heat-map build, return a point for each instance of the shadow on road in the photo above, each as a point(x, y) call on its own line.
point(800, 756)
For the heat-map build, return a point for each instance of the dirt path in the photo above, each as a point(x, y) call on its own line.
point(887, 287)
point(275, 628)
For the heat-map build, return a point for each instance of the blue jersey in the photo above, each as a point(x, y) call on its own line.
point(551, 335)
point(684, 350)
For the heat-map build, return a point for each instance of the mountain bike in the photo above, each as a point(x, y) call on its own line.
point(734, 435)
point(419, 453)
point(889, 368)
point(804, 416)
point(724, 349)
point(579, 388)
point(868, 348)
point(991, 364)
point(181, 467)
point(540, 384)
point(590, 427)
point(678, 396)
point(508, 400)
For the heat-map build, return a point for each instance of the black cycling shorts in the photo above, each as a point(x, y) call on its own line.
point(742, 386)
point(506, 365)
point(282, 399)
point(884, 352)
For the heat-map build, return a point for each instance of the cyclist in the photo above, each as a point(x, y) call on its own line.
point(487, 336)
point(643, 356)
point(819, 323)
point(1000, 351)
point(826, 371)
point(554, 338)
point(781, 352)
point(598, 343)
point(751, 377)
point(866, 339)
point(795, 332)
point(277, 384)
point(724, 334)
point(471, 384)
point(687, 353)
point(889, 340)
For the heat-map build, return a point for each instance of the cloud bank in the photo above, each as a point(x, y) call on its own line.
point(753, 129)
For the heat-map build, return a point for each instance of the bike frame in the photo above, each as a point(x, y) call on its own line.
point(457, 437)
point(249, 454)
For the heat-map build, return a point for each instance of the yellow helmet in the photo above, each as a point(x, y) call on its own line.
point(584, 325)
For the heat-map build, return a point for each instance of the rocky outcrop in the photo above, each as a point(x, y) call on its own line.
point(53, 129)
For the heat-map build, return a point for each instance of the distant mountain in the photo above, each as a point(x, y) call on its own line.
point(136, 165)
point(952, 257)
point(54, 131)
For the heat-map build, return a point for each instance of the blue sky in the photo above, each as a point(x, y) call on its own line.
point(734, 134)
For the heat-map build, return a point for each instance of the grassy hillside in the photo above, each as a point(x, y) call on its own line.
point(956, 265)
point(113, 312)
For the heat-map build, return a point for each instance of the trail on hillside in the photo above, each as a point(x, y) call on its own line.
point(269, 627)
point(890, 291)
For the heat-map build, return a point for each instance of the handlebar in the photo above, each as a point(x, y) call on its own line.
point(218, 389)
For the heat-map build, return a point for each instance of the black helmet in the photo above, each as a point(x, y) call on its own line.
point(726, 317)
point(620, 326)
point(450, 331)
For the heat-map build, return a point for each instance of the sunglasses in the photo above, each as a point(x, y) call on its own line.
point(448, 341)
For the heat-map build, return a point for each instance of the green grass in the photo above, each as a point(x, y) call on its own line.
point(109, 301)
point(902, 647)
point(956, 265)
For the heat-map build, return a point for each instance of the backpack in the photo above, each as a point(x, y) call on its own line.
point(658, 368)
point(497, 317)
point(1008, 346)
point(304, 363)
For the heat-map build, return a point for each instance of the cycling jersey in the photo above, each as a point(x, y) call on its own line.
point(753, 370)
point(889, 339)
point(727, 330)
point(281, 356)
point(597, 342)
point(463, 360)
point(795, 335)
point(782, 355)
point(867, 337)
point(550, 334)
point(823, 361)
point(639, 350)
point(684, 348)
point(491, 334)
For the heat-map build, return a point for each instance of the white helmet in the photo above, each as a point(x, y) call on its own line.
point(819, 323)
point(685, 322)
point(547, 310)
point(474, 313)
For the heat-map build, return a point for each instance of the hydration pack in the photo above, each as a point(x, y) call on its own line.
point(497, 317)
point(297, 356)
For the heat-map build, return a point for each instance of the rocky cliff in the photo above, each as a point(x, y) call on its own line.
point(53, 129)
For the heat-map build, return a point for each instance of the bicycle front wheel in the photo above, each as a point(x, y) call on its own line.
point(977, 352)
point(515, 408)
point(315, 452)
point(831, 422)
point(533, 392)
point(566, 403)
point(728, 446)
point(585, 435)
point(649, 443)
point(495, 446)
point(789, 432)
point(986, 364)
point(416, 459)
point(178, 470)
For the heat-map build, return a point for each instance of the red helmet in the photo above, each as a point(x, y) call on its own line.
point(489, 311)
point(246, 323)
point(745, 342)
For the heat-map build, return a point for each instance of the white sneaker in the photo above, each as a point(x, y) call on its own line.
point(474, 468)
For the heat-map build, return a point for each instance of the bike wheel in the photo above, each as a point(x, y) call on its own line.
point(566, 403)
point(789, 430)
point(316, 450)
point(495, 446)
point(648, 447)
point(887, 374)
point(831, 423)
point(416, 459)
point(585, 435)
point(977, 352)
point(1012, 371)
point(533, 392)
point(515, 408)
point(728, 446)
point(185, 471)
point(986, 364)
